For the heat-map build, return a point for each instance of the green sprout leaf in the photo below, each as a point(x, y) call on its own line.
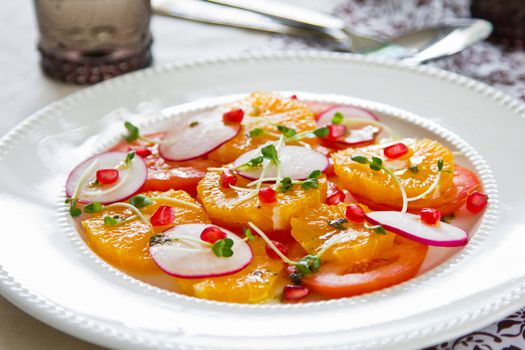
point(73, 210)
point(360, 159)
point(308, 264)
point(338, 118)
point(248, 234)
point(129, 157)
point(194, 124)
point(414, 169)
point(440, 164)
point(377, 161)
point(375, 167)
point(286, 131)
point(315, 174)
point(380, 230)
point(133, 132)
point(270, 152)
point(285, 185)
point(111, 221)
point(321, 132)
point(310, 183)
point(94, 207)
point(338, 223)
point(140, 201)
point(223, 247)
point(256, 132)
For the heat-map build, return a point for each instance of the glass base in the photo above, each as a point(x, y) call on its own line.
point(92, 67)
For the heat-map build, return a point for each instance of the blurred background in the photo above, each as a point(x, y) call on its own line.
point(40, 64)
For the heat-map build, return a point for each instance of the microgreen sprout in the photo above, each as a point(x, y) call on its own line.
point(194, 124)
point(140, 201)
point(414, 169)
point(312, 181)
point(376, 164)
point(286, 131)
point(321, 132)
point(74, 211)
point(129, 158)
point(256, 132)
point(248, 235)
point(337, 118)
point(376, 228)
point(285, 184)
point(338, 224)
point(112, 220)
point(223, 247)
point(133, 132)
point(270, 152)
point(94, 207)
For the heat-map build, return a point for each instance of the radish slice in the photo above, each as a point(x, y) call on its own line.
point(359, 135)
point(188, 259)
point(409, 226)
point(197, 136)
point(353, 112)
point(130, 180)
point(295, 161)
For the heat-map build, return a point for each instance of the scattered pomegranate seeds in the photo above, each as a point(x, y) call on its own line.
point(107, 176)
point(142, 152)
point(396, 150)
point(335, 132)
point(334, 195)
point(233, 116)
point(295, 293)
point(165, 215)
point(212, 234)
point(272, 254)
point(430, 216)
point(355, 213)
point(267, 195)
point(228, 178)
point(476, 202)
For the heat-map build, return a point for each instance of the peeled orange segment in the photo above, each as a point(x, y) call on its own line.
point(380, 188)
point(127, 245)
point(131, 178)
point(229, 207)
point(255, 283)
point(294, 161)
point(196, 136)
point(190, 259)
point(264, 111)
point(313, 231)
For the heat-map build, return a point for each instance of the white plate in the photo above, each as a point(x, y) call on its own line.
point(46, 270)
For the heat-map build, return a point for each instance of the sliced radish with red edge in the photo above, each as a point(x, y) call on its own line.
point(130, 179)
point(189, 259)
point(409, 226)
point(295, 161)
point(196, 136)
point(352, 112)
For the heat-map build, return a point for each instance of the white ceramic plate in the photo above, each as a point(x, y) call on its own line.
point(47, 270)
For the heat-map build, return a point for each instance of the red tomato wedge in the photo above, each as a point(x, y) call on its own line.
point(164, 175)
point(400, 263)
point(465, 183)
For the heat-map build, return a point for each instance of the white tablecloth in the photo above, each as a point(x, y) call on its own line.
point(24, 89)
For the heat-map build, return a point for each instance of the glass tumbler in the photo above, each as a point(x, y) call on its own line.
point(87, 41)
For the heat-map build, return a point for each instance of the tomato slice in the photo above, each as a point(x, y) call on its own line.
point(400, 263)
point(164, 175)
point(465, 183)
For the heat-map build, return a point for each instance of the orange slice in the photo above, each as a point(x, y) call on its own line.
point(265, 111)
point(256, 283)
point(127, 245)
point(313, 231)
point(380, 188)
point(226, 207)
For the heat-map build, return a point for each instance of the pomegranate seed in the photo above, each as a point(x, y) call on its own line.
point(396, 150)
point(293, 97)
point(430, 216)
point(212, 234)
point(329, 171)
point(165, 215)
point(142, 152)
point(295, 293)
point(267, 195)
point(107, 176)
point(228, 178)
point(335, 132)
point(233, 116)
point(272, 254)
point(334, 195)
point(355, 213)
point(476, 202)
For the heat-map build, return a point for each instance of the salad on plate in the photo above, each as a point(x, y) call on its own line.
point(271, 198)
